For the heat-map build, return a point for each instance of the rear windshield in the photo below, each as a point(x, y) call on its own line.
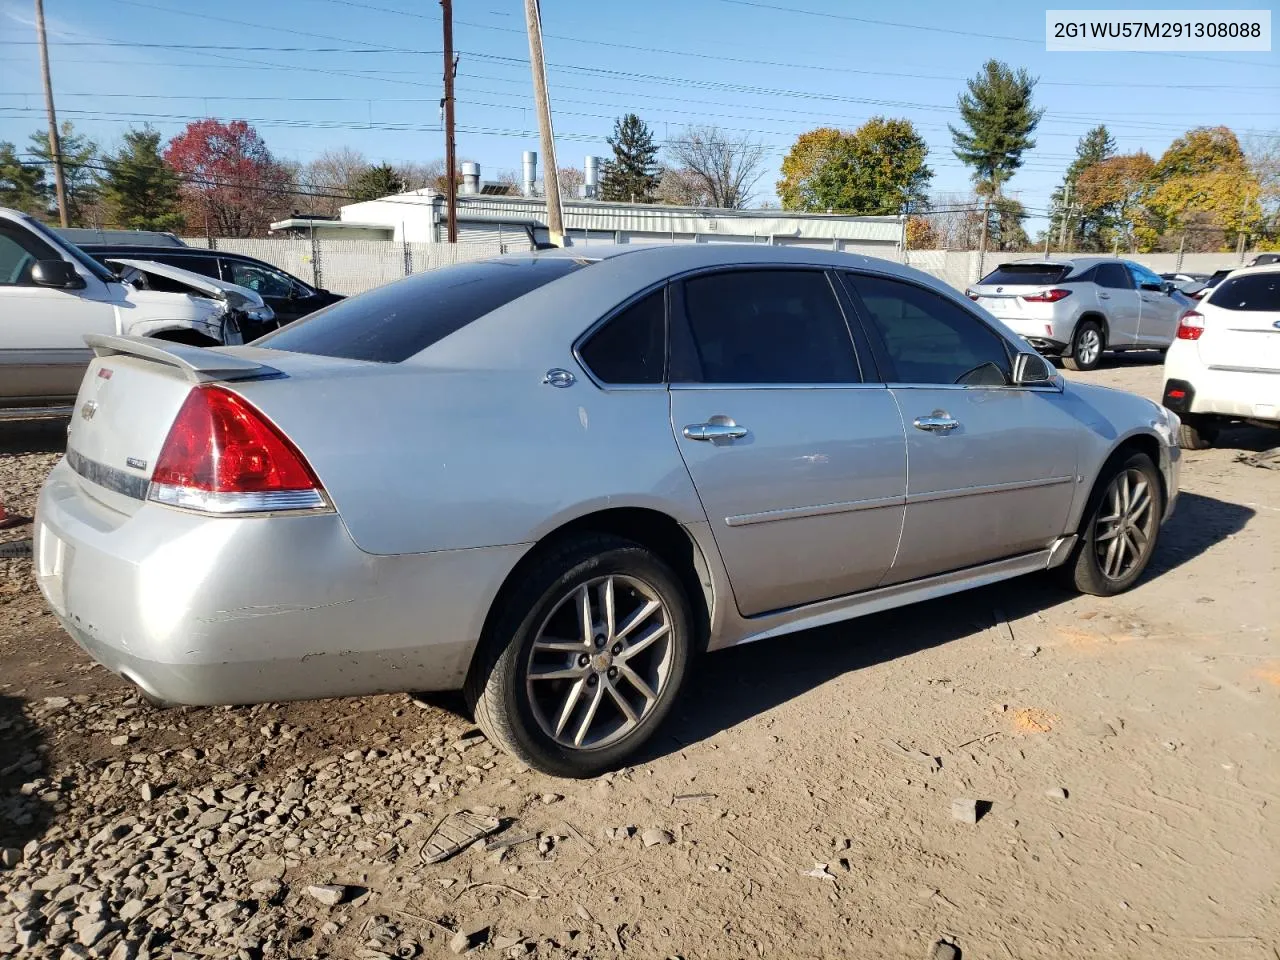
point(1258, 292)
point(1027, 274)
point(392, 323)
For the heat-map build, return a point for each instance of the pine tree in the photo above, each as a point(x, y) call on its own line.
point(22, 185)
point(377, 182)
point(140, 190)
point(1086, 226)
point(632, 175)
point(79, 172)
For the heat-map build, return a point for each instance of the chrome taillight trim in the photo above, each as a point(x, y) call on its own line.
point(239, 504)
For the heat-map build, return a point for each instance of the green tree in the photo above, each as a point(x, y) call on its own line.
point(21, 184)
point(1111, 193)
point(140, 190)
point(1086, 227)
point(79, 172)
point(998, 122)
point(877, 169)
point(632, 175)
point(376, 182)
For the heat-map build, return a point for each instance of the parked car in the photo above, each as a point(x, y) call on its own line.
point(1263, 259)
point(552, 479)
point(52, 294)
point(1225, 363)
point(1186, 283)
point(284, 293)
point(1078, 308)
point(1215, 278)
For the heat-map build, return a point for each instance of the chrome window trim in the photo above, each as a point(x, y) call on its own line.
point(778, 386)
point(1047, 388)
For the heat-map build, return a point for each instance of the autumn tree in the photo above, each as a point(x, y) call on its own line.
point(998, 119)
point(1203, 192)
point(632, 174)
point(1112, 192)
point(139, 190)
point(727, 168)
point(681, 187)
point(877, 169)
point(571, 181)
point(22, 185)
point(920, 234)
point(80, 166)
point(325, 184)
point(231, 183)
point(1085, 226)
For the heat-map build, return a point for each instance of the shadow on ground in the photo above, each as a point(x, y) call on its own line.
point(733, 685)
point(22, 759)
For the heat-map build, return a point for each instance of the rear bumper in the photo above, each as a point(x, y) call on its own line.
point(202, 610)
point(1253, 395)
point(1044, 333)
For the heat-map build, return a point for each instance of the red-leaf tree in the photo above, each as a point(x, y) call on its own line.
point(230, 181)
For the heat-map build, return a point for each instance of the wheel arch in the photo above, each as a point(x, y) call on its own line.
point(1101, 320)
point(1137, 442)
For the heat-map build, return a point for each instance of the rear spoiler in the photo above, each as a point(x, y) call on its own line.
point(200, 364)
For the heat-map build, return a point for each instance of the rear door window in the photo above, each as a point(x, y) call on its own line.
point(1258, 292)
point(762, 327)
point(389, 324)
point(1113, 276)
point(1026, 274)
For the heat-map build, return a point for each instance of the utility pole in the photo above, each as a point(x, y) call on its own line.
point(1066, 216)
point(1244, 210)
point(450, 152)
point(550, 170)
point(55, 148)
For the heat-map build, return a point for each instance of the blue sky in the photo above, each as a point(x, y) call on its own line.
point(318, 74)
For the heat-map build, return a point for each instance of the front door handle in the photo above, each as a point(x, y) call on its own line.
point(715, 429)
point(1104, 296)
point(936, 423)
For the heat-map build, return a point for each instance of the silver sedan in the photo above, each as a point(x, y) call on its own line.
point(551, 479)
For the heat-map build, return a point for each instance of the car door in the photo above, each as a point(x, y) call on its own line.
point(990, 467)
point(798, 458)
point(1119, 302)
point(277, 291)
point(1159, 309)
point(42, 351)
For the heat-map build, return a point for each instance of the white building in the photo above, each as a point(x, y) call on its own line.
point(486, 213)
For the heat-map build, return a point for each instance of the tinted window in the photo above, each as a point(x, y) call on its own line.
point(1251, 292)
point(765, 326)
point(929, 339)
point(392, 323)
point(1023, 274)
point(1142, 275)
point(19, 252)
point(631, 347)
point(261, 280)
point(1113, 275)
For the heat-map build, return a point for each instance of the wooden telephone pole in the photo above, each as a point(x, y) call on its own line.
point(450, 151)
point(55, 148)
point(550, 171)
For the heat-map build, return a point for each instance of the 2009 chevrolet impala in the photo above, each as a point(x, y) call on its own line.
point(551, 479)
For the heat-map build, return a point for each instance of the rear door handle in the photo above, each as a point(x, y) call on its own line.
point(1104, 296)
point(715, 430)
point(936, 423)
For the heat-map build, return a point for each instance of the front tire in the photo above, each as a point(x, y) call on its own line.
point(1120, 528)
point(1197, 433)
point(1087, 344)
point(585, 659)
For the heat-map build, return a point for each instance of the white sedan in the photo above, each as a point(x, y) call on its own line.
point(1225, 363)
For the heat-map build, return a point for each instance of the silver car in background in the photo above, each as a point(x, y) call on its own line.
point(1077, 308)
point(553, 479)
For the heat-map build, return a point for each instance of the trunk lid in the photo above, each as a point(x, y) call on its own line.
point(1242, 323)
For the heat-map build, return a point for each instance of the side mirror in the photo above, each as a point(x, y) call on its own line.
point(1155, 287)
point(56, 273)
point(1031, 370)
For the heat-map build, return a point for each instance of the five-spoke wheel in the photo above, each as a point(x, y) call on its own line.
point(1120, 527)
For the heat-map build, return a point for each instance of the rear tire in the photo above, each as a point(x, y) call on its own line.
point(1087, 344)
point(597, 709)
point(1120, 528)
point(1197, 433)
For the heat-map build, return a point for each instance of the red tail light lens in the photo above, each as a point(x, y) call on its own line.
point(971, 295)
point(1190, 325)
point(223, 456)
point(1048, 296)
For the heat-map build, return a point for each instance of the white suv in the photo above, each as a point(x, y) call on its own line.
point(1225, 363)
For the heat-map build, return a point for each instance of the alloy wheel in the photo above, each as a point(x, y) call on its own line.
point(1089, 347)
point(1125, 524)
point(600, 662)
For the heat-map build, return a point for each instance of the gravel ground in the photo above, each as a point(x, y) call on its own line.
point(812, 796)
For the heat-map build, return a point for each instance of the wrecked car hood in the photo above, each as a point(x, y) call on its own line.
point(235, 296)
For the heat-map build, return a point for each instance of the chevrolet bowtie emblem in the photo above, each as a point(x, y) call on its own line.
point(89, 409)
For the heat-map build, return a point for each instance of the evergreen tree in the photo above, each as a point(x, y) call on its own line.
point(632, 175)
point(377, 182)
point(22, 185)
point(79, 172)
point(140, 190)
point(1086, 226)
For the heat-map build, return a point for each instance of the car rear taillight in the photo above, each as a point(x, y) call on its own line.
point(1048, 296)
point(1200, 294)
point(223, 456)
point(1190, 325)
point(971, 295)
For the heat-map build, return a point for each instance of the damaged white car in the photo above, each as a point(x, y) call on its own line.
point(52, 294)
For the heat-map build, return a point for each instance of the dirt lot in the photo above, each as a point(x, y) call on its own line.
point(1126, 751)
